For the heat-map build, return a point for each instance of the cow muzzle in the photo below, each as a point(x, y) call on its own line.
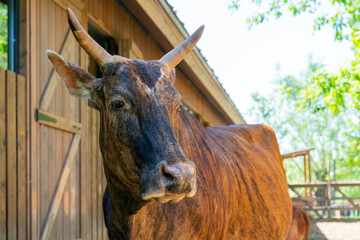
point(169, 182)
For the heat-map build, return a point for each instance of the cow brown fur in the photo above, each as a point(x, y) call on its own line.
point(300, 225)
point(151, 146)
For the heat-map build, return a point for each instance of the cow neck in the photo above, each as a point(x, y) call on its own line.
point(120, 198)
point(190, 131)
point(121, 206)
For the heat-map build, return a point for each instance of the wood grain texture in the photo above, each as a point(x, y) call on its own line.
point(21, 157)
point(65, 124)
point(11, 155)
point(58, 194)
point(3, 198)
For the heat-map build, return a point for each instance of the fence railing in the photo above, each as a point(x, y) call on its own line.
point(13, 183)
point(327, 199)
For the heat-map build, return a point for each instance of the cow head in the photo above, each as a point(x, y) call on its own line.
point(139, 108)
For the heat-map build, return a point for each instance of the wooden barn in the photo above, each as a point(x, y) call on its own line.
point(51, 176)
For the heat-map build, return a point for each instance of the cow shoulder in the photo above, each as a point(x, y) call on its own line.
point(262, 136)
point(258, 136)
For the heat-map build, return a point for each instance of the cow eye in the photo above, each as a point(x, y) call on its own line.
point(118, 105)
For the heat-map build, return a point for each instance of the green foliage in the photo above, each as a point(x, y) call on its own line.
point(3, 35)
point(334, 91)
point(335, 137)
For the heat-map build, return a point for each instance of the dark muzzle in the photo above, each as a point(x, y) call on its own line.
point(169, 181)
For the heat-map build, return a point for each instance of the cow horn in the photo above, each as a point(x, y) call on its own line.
point(172, 58)
point(99, 54)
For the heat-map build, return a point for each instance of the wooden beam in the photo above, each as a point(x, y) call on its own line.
point(11, 155)
point(65, 4)
point(52, 83)
point(308, 184)
point(297, 153)
point(349, 199)
point(2, 154)
point(306, 202)
point(21, 156)
point(52, 120)
point(99, 25)
point(59, 190)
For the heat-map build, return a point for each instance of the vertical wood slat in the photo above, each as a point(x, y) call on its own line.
point(58, 195)
point(34, 146)
point(94, 175)
point(11, 155)
point(3, 200)
point(21, 156)
point(99, 182)
point(13, 168)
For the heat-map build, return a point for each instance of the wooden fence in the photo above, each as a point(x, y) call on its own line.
point(13, 182)
point(326, 199)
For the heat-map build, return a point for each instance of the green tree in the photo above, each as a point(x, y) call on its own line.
point(337, 90)
point(3, 35)
point(335, 137)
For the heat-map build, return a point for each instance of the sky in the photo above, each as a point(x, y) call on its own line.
point(245, 61)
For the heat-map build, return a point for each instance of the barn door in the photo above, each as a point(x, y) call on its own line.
point(61, 198)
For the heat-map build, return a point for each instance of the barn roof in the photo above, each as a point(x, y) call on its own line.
point(159, 19)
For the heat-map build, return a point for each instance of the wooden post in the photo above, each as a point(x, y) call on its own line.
point(309, 166)
point(305, 193)
point(3, 176)
point(329, 191)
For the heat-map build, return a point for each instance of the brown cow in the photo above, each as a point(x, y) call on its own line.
point(238, 189)
point(300, 225)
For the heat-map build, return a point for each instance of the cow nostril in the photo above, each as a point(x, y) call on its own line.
point(168, 173)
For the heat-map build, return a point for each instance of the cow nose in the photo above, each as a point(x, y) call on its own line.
point(170, 173)
point(179, 177)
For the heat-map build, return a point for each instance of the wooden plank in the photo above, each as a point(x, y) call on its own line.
point(297, 153)
point(297, 185)
point(84, 161)
point(61, 3)
point(99, 25)
point(23, 37)
point(21, 155)
point(55, 41)
point(349, 199)
point(3, 200)
point(306, 202)
point(53, 81)
point(90, 180)
point(52, 120)
point(345, 184)
point(11, 154)
point(129, 49)
point(44, 163)
point(99, 182)
point(33, 143)
point(59, 191)
point(64, 4)
point(84, 157)
point(94, 174)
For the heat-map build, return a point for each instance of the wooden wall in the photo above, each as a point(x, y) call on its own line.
point(97, 181)
point(13, 182)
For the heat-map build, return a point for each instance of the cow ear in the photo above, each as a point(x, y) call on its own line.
point(78, 81)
